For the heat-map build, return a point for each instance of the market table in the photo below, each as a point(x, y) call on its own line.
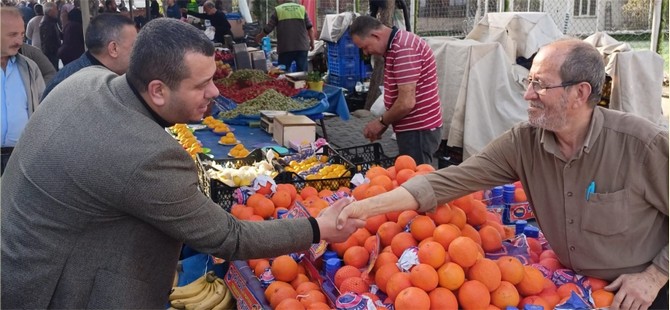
point(251, 137)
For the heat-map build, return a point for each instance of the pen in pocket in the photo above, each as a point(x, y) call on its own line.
point(590, 190)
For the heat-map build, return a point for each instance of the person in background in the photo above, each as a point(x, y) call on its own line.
point(597, 178)
point(108, 207)
point(43, 63)
point(410, 88)
point(27, 10)
point(217, 19)
point(33, 27)
point(295, 35)
point(64, 10)
point(173, 10)
point(73, 38)
point(50, 34)
point(22, 83)
point(155, 9)
point(110, 6)
point(109, 40)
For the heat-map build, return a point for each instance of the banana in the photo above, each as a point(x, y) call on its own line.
point(190, 289)
point(181, 303)
point(226, 303)
point(219, 292)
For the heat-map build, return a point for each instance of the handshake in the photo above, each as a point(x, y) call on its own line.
point(345, 216)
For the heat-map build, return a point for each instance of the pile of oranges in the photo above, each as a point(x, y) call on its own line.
point(186, 138)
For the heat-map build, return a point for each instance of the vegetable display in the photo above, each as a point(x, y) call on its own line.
point(270, 99)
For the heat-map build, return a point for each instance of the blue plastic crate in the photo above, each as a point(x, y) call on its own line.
point(344, 66)
point(347, 82)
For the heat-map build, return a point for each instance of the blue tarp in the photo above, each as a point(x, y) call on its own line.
point(314, 112)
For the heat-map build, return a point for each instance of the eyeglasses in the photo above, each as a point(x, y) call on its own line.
point(541, 90)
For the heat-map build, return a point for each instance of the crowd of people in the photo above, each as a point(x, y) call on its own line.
point(96, 211)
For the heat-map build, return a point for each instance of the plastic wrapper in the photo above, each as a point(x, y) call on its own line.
point(408, 259)
point(574, 302)
point(353, 301)
point(266, 278)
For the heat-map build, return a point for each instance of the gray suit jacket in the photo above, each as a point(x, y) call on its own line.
point(97, 199)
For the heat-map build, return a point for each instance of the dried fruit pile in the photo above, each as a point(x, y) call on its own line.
point(244, 85)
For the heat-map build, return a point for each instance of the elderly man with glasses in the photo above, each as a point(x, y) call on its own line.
point(597, 178)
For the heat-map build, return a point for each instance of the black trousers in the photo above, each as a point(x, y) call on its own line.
point(5, 153)
point(661, 301)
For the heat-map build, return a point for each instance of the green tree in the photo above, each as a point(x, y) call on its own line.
point(636, 14)
point(262, 10)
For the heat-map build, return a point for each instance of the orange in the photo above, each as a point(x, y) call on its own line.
point(282, 199)
point(356, 256)
point(264, 207)
point(251, 201)
point(487, 272)
point(602, 298)
point(290, 304)
point(299, 279)
point(274, 286)
point(372, 223)
point(499, 227)
point(393, 216)
point(424, 277)
point(387, 231)
point(473, 295)
point(472, 233)
point(261, 266)
point(308, 191)
point(520, 195)
point(405, 217)
point(344, 273)
point(396, 283)
point(311, 297)
point(282, 293)
point(442, 214)
point(458, 217)
point(412, 298)
point(442, 299)
point(325, 193)
point(375, 172)
point(370, 244)
point(245, 213)
point(451, 276)
point(464, 203)
point(534, 245)
point(565, 289)
point(252, 262)
point(491, 239)
point(421, 227)
point(463, 251)
point(505, 295)
point(306, 287)
point(383, 181)
point(359, 191)
point(265, 189)
point(511, 269)
point(344, 189)
point(432, 253)
point(354, 284)
point(425, 167)
point(532, 282)
point(383, 274)
point(318, 306)
point(391, 172)
point(236, 209)
point(401, 242)
point(374, 190)
point(405, 162)
point(551, 297)
point(446, 233)
point(534, 300)
point(548, 253)
point(341, 247)
point(256, 218)
point(385, 258)
point(361, 235)
point(288, 188)
point(596, 284)
point(284, 268)
point(477, 214)
point(403, 175)
point(551, 263)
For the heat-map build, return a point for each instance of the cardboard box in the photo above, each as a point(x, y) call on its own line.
point(267, 119)
point(288, 128)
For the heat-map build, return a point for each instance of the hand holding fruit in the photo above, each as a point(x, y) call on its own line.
point(327, 220)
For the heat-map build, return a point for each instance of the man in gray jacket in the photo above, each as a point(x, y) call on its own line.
point(22, 83)
point(98, 198)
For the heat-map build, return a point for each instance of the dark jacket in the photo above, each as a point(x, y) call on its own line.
point(73, 38)
point(50, 36)
point(218, 21)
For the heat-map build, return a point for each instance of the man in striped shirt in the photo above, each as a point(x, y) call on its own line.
point(410, 88)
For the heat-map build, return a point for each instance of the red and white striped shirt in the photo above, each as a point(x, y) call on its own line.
point(410, 60)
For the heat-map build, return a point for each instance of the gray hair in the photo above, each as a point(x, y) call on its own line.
point(103, 29)
point(158, 53)
point(363, 24)
point(10, 11)
point(583, 62)
point(209, 4)
point(48, 6)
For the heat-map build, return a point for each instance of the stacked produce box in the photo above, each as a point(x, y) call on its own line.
point(344, 63)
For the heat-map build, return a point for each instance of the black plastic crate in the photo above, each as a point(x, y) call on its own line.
point(367, 156)
point(334, 157)
point(219, 192)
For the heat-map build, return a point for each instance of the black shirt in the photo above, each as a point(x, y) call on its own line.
point(218, 21)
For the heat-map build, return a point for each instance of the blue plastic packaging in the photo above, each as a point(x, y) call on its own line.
point(332, 265)
point(531, 231)
point(519, 226)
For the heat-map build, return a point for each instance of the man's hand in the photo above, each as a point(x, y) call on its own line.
point(328, 219)
point(637, 290)
point(352, 211)
point(373, 130)
point(311, 45)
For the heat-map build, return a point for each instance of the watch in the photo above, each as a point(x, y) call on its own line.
point(381, 120)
